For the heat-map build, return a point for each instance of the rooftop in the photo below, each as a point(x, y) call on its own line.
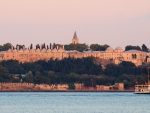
point(133, 50)
point(75, 35)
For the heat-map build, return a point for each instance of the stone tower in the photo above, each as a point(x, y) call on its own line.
point(75, 39)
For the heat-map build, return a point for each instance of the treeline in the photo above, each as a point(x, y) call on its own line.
point(97, 47)
point(72, 71)
point(142, 48)
point(79, 47)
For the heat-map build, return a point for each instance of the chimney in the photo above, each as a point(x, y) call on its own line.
point(12, 47)
point(41, 46)
point(51, 47)
point(63, 47)
point(17, 47)
point(29, 47)
point(35, 47)
point(23, 47)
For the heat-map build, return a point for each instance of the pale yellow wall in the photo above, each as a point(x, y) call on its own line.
point(34, 55)
point(119, 55)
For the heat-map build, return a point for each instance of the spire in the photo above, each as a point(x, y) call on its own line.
point(75, 35)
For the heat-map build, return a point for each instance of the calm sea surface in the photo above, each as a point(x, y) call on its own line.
point(73, 102)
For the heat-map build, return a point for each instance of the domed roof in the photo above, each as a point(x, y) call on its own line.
point(109, 48)
point(118, 48)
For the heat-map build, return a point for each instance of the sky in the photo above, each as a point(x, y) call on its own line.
point(112, 22)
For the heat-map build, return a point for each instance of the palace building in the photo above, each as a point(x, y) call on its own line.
point(55, 52)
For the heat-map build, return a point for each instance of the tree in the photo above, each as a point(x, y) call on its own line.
point(127, 64)
point(31, 46)
point(97, 47)
point(144, 48)
point(13, 66)
point(111, 70)
point(5, 47)
point(4, 73)
point(29, 74)
point(71, 86)
point(37, 46)
point(130, 47)
point(78, 47)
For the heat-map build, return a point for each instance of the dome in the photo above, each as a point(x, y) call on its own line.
point(118, 48)
point(109, 48)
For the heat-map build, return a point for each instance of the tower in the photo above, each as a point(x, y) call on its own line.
point(75, 39)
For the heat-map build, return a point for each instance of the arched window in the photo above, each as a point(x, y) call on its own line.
point(132, 56)
point(135, 56)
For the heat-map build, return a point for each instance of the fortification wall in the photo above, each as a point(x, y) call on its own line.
point(31, 87)
point(47, 87)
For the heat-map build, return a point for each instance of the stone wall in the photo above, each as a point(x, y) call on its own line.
point(31, 87)
point(59, 87)
point(116, 86)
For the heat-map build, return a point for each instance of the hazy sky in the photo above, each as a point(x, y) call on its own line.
point(112, 22)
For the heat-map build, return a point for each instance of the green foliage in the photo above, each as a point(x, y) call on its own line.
point(4, 73)
point(78, 47)
point(13, 66)
point(97, 47)
point(130, 47)
point(5, 47)
point(144, 48)
point(70, 71)
point(41, 79)
point(123, 68)
point(28, 79)
point(127, 64)
point(126, 83)
point(88, 83)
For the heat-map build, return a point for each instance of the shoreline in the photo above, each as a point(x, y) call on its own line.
point(70, 91)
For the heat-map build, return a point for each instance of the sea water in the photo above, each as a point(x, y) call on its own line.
point(74, 102)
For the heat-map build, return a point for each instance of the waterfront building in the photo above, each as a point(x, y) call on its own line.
point(52, 51)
